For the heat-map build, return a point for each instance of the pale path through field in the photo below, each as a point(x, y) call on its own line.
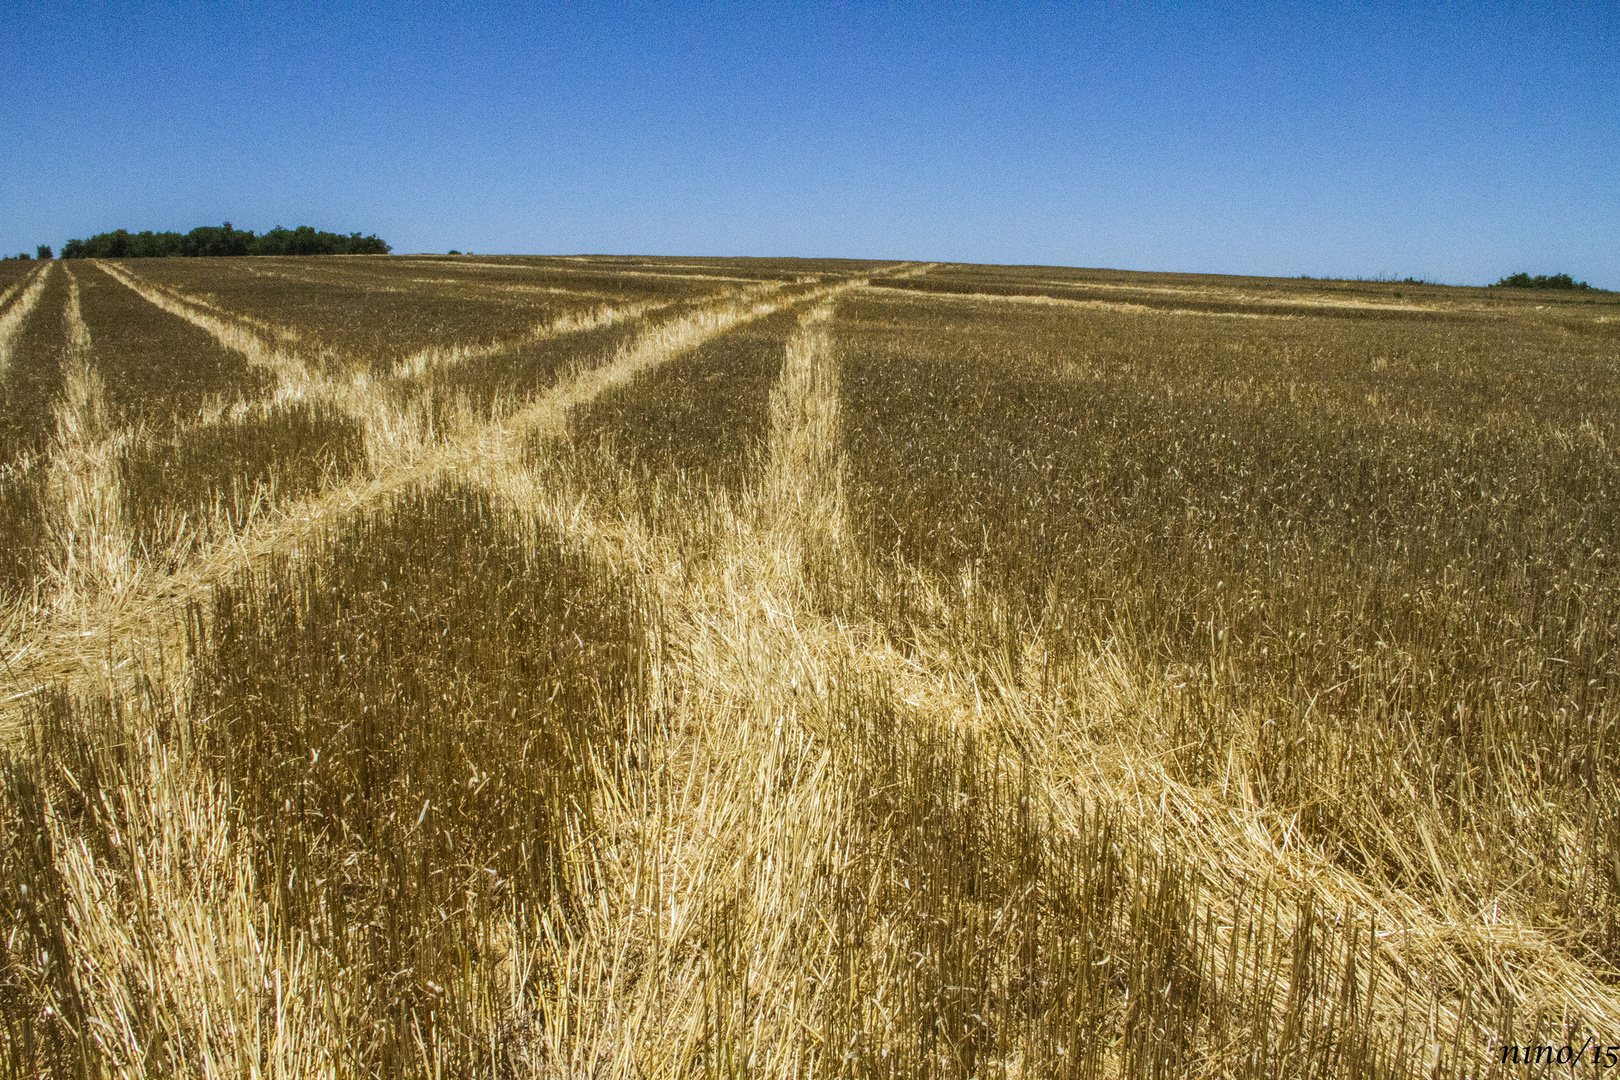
point(125, 624)
point(84, 519)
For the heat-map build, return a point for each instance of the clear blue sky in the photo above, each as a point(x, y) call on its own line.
point(1458, 143)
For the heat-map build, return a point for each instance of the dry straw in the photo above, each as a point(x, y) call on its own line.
point(997, 695)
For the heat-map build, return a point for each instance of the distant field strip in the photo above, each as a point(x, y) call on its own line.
point(412, 285)
point(159, 369)
point(1060, 301)
point(914, 272)
point(347, 326)
point(1170, 291)
point(31, 367)
point(509, 280)
point(1193, 302)
point(259, 342)
point(16, 287)
point(516, 287)
point(549, 415)
point(604, 270)
point(419, 364)
point(30, 382)
point(12, 319)
point(14, 275)
point(733, 279)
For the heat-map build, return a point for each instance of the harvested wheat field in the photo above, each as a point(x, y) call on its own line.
point(503, 667)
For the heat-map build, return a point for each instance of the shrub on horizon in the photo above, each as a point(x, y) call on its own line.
point(1542, 281)
point(222, 240)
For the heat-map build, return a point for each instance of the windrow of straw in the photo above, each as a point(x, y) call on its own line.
point(32, 341)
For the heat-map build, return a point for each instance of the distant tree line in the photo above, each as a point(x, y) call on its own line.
point(41, 252)
point(218, 240)
point(1543, 281)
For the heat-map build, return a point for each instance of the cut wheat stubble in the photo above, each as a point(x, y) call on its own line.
point(856, 852)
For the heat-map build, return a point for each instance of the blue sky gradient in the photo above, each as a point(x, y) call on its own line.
point(1457, 143)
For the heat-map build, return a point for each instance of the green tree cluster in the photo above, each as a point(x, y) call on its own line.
point(217, 240)
point(1542, 281)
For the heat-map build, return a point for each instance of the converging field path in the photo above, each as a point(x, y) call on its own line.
point(98, 640)
point(263, 349)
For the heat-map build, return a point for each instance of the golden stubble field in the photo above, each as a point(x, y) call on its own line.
point(419, 666)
